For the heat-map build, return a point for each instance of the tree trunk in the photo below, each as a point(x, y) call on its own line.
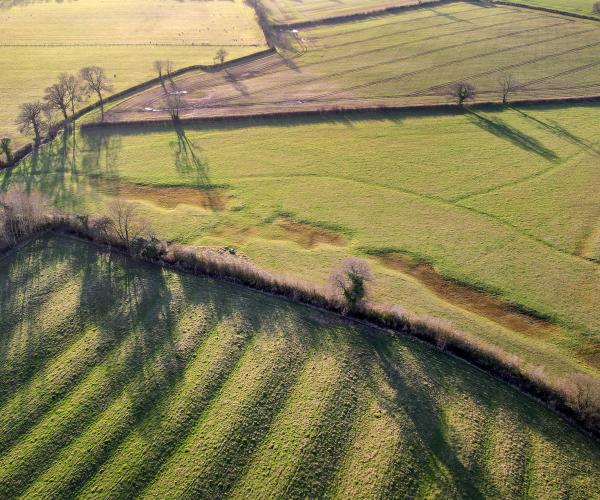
point(36, 131)
point(101, 106)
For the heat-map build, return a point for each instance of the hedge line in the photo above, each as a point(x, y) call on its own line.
point(576, 397)
point(543, 9)
point(338, 110)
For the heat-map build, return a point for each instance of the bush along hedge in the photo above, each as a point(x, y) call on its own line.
point(25, 215)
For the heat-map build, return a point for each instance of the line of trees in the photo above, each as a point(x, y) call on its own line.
point(464, 91)
point(38, 118)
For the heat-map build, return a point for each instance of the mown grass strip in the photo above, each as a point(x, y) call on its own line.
point(262, 368)
point(276, 459)
point(77, 461)
point(32, 454)
point(152, 442)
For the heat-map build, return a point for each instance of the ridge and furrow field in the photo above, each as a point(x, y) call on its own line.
point(231, 391)
point(379, 62)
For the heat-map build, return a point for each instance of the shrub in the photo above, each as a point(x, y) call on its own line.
point(350, 281)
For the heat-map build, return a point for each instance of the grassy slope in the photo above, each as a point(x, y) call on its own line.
point(46, 39)
point(153, 383)
point(405, 59)
point(435, 186)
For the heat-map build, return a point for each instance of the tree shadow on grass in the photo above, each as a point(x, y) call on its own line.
point(503, 130)
point(561, 132)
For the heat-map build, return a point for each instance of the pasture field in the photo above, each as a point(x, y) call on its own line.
point(584, 7)
point(40, 40)
point(290, 11)
point(411, 58)
point(122, 380)
point(504, 201)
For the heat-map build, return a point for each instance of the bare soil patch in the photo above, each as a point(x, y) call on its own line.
point(169, 197)
point(309, 236)
point(471, 299)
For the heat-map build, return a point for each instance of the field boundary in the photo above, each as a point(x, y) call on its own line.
point(358, 16)
point(336, 110)
point(575, 399)
point(543, 9)
point(22, 152)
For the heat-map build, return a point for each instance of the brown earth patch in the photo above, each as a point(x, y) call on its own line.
point(471, 299)
point(308, 236)
point(165, 196)
point(234, 234)
point(591, 354)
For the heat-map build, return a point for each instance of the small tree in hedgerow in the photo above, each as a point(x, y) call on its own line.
point(462, 91)
point(220, 56)
point(351, 280)
point(96, 82)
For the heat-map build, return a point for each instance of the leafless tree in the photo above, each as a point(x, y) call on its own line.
point(96, 81)
point(350, 281)
point(175, 104)
point(159, 67)
point(74, 89)
point(22, 213)
point(461, 91)
point(6, 148)
point(31, 119)
point(596, 8)
point(507, 86)
point(221, 55)
point(169, 65)
point(125, 221)
point(57, 98)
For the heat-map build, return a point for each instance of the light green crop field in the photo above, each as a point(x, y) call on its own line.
point(505, 201)
point(290, 11)
point(411, 58)
point(124, 380)
point(584, 7)
point(40, 40)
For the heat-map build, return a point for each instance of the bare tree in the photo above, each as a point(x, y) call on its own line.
point(159, 67)
point(169, 65)
point(596, 8)
point(74, 89)
point(96, 81)
point(6, 148)
point(221, 55)
point(175, 104)
point(125, 222)
point(507, 86)
point(31, 119)
point(461, 91)
point(350, 281)
point(57, 98)
point(21, 213)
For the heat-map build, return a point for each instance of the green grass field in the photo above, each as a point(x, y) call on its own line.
point(122, 380)
point(577, 6)
point(411, 58)
point(40, 40)
point(505, 201)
